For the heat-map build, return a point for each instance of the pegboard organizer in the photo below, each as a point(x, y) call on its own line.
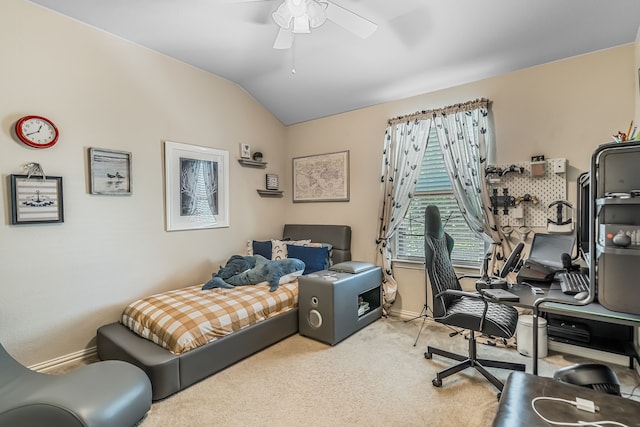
point(545, 189)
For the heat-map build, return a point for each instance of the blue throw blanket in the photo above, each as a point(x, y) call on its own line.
point(251, 270)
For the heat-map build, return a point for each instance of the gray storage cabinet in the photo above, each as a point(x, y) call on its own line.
point(616, 210)
point(334, 305)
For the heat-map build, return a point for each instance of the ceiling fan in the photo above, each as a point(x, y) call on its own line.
point(299, 16)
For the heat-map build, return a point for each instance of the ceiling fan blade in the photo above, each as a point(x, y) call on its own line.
point(350, 21)
point(284, 39)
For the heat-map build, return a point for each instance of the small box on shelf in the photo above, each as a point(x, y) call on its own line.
point(272, 181)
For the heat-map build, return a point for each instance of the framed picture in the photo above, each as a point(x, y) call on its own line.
point(110, 172)
point(321, 178)
point(245, 151)
point(196, 187)
point(36, 200)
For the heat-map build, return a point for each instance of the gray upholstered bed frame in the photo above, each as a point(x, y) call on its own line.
point(170, 373)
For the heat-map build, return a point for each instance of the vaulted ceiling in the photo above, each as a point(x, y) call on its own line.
point(418, 47)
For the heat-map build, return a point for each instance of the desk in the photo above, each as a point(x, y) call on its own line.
point(515, 403)
point(555, 301)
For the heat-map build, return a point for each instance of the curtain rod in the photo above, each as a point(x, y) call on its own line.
point(426, 114)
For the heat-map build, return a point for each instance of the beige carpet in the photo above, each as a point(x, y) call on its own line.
point(376, 377)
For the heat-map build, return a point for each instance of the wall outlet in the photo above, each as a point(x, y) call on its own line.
point(560, 166)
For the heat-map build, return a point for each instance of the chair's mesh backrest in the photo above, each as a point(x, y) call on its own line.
point(437, 250)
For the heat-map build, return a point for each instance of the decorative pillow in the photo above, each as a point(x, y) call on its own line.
point(329, 247)
point(314, 258)
point(262, 248)
point(279, 247)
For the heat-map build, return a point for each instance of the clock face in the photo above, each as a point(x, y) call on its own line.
point(36, 131)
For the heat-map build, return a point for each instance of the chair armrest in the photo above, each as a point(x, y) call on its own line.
point(459, 294)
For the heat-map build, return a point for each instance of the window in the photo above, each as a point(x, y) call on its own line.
point(435, 188)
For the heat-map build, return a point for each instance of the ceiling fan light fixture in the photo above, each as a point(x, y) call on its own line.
point(283, 16)
point(316, 14)
point(305, 14)
point(301, 25)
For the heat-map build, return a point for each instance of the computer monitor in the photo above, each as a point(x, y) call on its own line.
point(547, 249)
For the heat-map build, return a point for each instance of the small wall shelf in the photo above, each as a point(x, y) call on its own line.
point(252, 163)
point(270, 193)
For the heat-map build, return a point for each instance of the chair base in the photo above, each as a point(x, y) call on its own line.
point(471, 361)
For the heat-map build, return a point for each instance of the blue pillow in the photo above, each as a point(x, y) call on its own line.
point(314, 258)
point(262, 248)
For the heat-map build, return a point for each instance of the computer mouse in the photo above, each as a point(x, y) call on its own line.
point(581, 295)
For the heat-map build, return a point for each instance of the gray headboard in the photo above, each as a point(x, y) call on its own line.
point(337, 235)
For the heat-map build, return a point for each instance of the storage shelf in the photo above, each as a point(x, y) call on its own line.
point(618, 201)
point(252, 163)
point(621, 347)
point(270, 193)
point(617, 251)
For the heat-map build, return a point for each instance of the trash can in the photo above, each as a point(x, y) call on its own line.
point(524, 336)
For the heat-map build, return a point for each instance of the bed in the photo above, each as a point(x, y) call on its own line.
point(170, 373)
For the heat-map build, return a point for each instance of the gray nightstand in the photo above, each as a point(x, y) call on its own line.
point(334, 305)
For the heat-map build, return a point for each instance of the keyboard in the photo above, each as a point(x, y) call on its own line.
point(573, 282)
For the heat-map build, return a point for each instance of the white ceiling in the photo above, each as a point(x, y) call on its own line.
point(419, 46)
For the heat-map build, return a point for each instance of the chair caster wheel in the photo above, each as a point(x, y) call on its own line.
point(427, 355)
point(436, 382)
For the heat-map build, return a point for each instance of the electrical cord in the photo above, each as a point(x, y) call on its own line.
point(582, 404)
point(632, 394)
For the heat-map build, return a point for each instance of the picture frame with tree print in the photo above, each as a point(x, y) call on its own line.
point(196, 187)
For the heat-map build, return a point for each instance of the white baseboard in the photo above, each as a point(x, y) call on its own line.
point(405, 315)
point(58, 362)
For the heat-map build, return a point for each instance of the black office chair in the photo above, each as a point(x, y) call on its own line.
point(468, 310)
point(592, 375)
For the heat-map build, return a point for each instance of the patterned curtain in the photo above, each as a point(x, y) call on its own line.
point(466, 141)
point(405, 141)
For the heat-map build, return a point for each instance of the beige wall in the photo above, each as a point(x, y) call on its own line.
point(562, 109)
point(61, 281)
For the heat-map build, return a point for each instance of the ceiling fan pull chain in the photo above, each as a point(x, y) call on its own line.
point(293, 57)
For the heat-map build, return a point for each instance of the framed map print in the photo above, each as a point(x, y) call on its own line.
point(321, 178)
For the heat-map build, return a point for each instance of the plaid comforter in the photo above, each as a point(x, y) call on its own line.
point(184, 319)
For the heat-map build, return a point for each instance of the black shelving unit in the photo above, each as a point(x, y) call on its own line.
point(602, 336)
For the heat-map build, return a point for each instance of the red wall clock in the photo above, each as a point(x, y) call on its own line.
point(36, 131)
